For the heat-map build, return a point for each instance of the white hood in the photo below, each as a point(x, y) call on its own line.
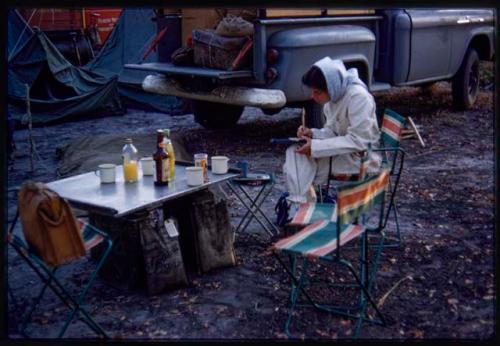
point(338, 79)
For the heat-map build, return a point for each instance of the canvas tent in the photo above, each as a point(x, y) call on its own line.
point(128, 42)
point(58, 90)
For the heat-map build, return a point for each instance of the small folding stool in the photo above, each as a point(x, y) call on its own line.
point(253, 203)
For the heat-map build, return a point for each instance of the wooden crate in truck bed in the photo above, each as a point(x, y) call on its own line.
point(310, 12)
point(208, 18)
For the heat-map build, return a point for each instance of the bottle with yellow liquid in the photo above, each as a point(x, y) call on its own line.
point(169, 148)
point(130, 157)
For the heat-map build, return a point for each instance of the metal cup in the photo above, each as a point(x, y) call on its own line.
point(243, 165)
point(201, 160)
point(106, 172)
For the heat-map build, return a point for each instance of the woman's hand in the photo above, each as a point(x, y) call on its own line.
point(304, 132)
point(306, 148)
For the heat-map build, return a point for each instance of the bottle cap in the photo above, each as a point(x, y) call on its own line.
point(128, 140)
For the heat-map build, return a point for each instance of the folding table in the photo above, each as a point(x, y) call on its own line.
point(264, 183)
point(131, 206)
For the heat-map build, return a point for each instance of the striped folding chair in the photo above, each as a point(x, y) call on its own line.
point(311, 212)
point(392, 156)
point(324, 241)
point(339, 179)
point(91, 237)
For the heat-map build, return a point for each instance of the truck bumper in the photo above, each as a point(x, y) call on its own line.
point(233, 95)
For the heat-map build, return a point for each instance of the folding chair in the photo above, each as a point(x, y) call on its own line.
point(340, 179)
point(263, 181)
point(323, 240)
point(392, 156)
point(311, 212)
point(92, 237)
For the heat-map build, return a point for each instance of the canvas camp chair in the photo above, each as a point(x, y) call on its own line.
point(310, 212)
point(324, 241)
point(47, 274)
point(335, 180)
point(392, 156)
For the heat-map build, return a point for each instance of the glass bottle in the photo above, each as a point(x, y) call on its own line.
point(169, 148)
point(161, 159)
point(130, 157)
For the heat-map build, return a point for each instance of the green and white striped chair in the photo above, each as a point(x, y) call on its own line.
point(392, 156)
point(324, 241)
point(311, 212)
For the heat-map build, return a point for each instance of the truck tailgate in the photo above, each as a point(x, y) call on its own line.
point(171, 69)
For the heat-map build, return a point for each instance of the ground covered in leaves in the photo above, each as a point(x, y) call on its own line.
point(438, 284)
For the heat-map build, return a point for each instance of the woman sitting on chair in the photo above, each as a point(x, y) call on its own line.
point(351, 125)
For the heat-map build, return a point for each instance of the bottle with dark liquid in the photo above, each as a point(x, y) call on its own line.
point(161, 159)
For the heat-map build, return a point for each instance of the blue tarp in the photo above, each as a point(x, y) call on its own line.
point(127, 43)
point(58, 90)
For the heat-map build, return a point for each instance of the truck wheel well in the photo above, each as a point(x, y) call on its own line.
point(362, 70)
point(482, 46)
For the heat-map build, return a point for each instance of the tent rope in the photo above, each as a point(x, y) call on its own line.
point(21, 35)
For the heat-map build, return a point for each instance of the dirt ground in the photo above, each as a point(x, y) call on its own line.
point(438, 284)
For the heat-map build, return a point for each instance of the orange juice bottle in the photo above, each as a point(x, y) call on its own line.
point(130, 156)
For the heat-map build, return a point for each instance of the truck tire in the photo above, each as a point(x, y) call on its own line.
point(465, 83)
point(215, 116)
point(314, 114)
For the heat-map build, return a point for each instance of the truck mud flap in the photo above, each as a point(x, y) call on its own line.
point(241, 96)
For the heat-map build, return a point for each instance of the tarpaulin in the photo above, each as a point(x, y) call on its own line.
point(128, 42)
point(58, 91)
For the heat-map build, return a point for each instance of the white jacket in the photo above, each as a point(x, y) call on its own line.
point(351, 124)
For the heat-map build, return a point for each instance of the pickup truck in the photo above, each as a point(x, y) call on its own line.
point(389, 47)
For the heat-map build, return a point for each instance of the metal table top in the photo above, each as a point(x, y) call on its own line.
point(86, 192)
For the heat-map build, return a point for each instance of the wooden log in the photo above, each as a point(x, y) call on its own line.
point(415, 129)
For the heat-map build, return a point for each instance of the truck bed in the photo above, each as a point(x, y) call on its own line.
point(171, 69)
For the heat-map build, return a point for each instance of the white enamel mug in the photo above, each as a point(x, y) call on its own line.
point(147, 165)
point(219, 164)
point(106, 172)
point(194, 175)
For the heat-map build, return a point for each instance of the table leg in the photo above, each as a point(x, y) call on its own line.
point(257, 208)
point(253, 208)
